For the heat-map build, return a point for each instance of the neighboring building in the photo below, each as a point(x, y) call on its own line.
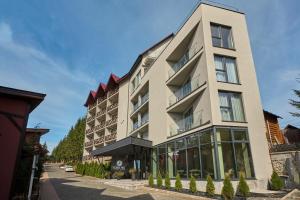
point(15, 107)
point(292, 134)
point(273, 131)
point(189, 105)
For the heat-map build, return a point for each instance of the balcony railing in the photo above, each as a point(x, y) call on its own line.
point(113, 92)
point(99, 141)
point(89, 131)
point(144, 99)
point(186, 124)
point(144, 120)
point(90, 118)
point(113, 120)
point(112, 106)
point(99, 126)
point(101, 99)
point(92, 106)
point(111, 137)
point(89, 143)
point(185, 90)
point(100, 113)
point(183, 60)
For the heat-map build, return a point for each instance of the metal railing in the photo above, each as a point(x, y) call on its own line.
point(112, 106)
point(144, 99)
point(89, 143)
point(99, 140)
point(186, 57)
point(144, 120)
point(99, 126)
point(110, 137)
point(89, 131)
point(185, 90)
point(113, 120)
point(101, 99)
point(112, 92)
point(186, 124)
point(92, 106)
point(90, 118)
point(100, 113)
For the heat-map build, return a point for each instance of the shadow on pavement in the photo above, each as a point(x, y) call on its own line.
point(66, 191)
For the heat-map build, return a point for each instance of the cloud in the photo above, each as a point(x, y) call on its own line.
point(289, 74)
point(27, 67)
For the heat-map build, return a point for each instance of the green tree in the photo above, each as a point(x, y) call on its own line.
point(159, 180)
point(243, 188)
point(210, 187)
point(296, 103)
point(193, 185)
point(178, 184)
point(276, 182)
point(167, 181)
point(227, 190)
point(151, 181)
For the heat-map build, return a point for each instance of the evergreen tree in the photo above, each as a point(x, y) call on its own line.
point(167, 181)
point(243, 188)
point(151, 181)
point(193, 185)
point(210, 187)
point(296, 103)
point(159, 180)
point(276, 182)
point(227, 190)
point(178, 184)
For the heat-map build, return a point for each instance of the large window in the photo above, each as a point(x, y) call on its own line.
point(162, 159)
point(226, 69)
point(171, 160)
point(193, 156)
point(207, 154)
point(181, 158)
point(231, 106)
point(136, 81)
point(221, 36)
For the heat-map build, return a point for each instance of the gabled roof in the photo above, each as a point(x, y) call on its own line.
point(113, 81)
point(289, 126)
point(101, 90)
point(272, 114)
point(91, 98)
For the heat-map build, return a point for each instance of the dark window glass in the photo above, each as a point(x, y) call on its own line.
point(221, 36)
point(171, 160)
point(162, 163)
point(226, 37)
point(227, 163)
point(240, 135)
point(226, 69)
point(206, 137)
point(194, 162)
point(192, 141)
point(224, 135)
point(162, 149)
point(180, 144)
point(231, 106)
point(207, 160)
point(244, 159)
point(181, 163)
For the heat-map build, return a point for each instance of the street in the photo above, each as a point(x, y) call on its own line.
point(58, 184)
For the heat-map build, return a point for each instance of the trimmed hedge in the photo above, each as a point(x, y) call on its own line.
point(94, 169)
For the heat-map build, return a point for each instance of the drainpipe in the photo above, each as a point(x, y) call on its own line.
point(35, 160)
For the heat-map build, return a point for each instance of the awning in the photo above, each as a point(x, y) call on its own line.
point(124, 146)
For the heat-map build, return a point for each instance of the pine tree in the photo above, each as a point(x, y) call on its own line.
point(151, 181)
point(193, 185)
point(227, 190)
point(178, 184)
point(243, 188)
point(296, 103)
point(167, 181)
point(210, 187)
point(276, 182)
point(159, 180)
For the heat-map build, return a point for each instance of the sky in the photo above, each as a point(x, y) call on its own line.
point(65, 48)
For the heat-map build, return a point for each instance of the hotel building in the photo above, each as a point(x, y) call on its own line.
point(190, 104)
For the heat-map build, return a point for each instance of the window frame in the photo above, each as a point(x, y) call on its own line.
point(225, 71)
point(219, 28)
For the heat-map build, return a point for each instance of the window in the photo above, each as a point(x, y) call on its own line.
point(180, 155)
point(193, 156)
point(171, 160)
point(221, 36)
point(162, 159)
point(226, 69)
point(136, 81)
point(231, 106)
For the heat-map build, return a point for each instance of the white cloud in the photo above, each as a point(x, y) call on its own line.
point(289, 74)
point(29, 68)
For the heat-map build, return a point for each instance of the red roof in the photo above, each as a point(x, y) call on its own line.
point(113, 81)
point(91, 98)
point(101, 90)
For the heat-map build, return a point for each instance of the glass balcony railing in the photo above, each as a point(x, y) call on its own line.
point(183, 60)
point(185, 90)
point(144, 120)
point(144, 99)
point(186, 124)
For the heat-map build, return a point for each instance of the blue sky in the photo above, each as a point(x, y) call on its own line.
point(64, 48)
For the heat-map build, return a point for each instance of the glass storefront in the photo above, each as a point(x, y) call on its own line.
point(215, 152)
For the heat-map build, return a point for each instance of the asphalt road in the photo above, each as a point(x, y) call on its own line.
point(58, 184)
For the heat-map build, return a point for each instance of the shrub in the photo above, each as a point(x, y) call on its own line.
point(276, 182)
point(243, 188)
point(159, 180)
point(227, 190)
point(193, 185)
point(210, 187)
point(167, 181)
point(178, 184)
point(151, 181)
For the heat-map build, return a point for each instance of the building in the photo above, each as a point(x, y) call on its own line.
point(15, 107)
point(273, 133)
point(292, 134)
point(190, 104)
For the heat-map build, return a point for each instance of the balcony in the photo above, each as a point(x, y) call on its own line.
point(100, 126)
point(89, 144)
point(100, 113)
point(137, 106)
point(186, 124)
point(92, 106)
point(101, 99)
point(111, 137)
point(112, 106)
point(89, 131)
point(142, 125)
point(113, 92)
point(99, 141)
point(185, 95)
point(112, 121)
point(90, 118)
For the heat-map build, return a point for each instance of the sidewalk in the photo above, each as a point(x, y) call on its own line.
point(47, 191)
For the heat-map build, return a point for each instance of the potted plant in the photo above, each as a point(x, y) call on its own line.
point(118, 175)
point(132, 172)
